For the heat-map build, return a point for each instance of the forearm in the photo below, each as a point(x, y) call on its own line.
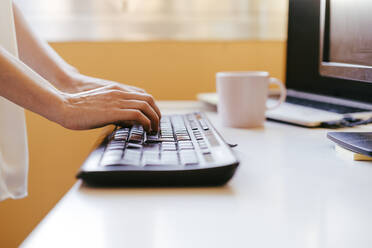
point(21, 85)
point(39, 56)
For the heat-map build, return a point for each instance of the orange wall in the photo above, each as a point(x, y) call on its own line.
point(173, 70)
point(169, 70)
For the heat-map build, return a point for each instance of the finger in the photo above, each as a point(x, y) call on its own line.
point(135, 115)
point(125, 123)
point(144, 97)
point(145, 108)
point(126, 88)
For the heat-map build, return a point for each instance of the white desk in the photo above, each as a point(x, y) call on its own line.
point(291, 190)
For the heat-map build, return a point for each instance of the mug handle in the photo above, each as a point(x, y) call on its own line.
point(283, 93)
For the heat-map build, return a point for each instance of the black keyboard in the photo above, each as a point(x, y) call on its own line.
point(335, 108)
point(187, 150)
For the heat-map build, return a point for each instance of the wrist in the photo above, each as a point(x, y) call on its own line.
point(67, 80)
point(74, 82)
point(62, 109)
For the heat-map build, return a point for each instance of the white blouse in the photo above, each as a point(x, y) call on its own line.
point(13, 136)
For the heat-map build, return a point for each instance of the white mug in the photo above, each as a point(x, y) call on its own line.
point(242, 97)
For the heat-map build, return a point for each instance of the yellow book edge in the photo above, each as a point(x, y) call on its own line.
point(351, 155)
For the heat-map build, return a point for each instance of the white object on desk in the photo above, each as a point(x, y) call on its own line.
point(293, 113)
point(212, 98)
point(243, 95)
point(291, 190)
point(347, 154)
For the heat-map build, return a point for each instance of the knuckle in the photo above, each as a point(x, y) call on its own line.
point(137, 114)
point(149, 98)
point(141, 104)
point(145, 105)
point(113, 92)
point(114, 87)
point(126, 95)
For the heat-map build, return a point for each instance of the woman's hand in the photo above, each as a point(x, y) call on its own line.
point(110, 104)
point(75, 101)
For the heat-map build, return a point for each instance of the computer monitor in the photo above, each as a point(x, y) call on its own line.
point(329, 48)
point(346, 39)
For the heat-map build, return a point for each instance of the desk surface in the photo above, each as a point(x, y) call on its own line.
point(291, 190)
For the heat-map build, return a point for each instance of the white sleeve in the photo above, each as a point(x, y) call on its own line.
point(13, 137)
point(13, 151)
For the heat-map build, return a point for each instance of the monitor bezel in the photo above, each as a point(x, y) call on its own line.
point(303, 57)
point(333, 69)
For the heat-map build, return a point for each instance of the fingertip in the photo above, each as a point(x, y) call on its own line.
point(155, 128)
point(148, 129)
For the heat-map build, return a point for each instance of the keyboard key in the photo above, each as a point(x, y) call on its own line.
point(185, 142)
point(121, 134)
point(129, 154)
point(111, 157)
point(183, 137)
point(167, 136)
point(202, 144)
point(154, 147)
point(208, 158)
point(134, 146)
point(116, 145)
point(193, 125)
point(188, 157)
point(168, 146)
point(153, 138)
point(203, 124)
point(211, 138)
point(151, 158)
point(169, 157)
point(167, 139)
point(131, 157)
point(113, 153)
point(185, 145)
point(136, 138)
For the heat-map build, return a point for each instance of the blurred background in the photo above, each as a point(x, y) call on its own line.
point(92, 20)
point(172, 48)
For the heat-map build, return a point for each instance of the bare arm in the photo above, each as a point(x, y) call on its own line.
point(77, 101)
point(21, 85)
point(38, 55)
point(85, 110)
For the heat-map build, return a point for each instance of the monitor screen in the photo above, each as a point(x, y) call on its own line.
point(346, 39)
point(335, 62)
